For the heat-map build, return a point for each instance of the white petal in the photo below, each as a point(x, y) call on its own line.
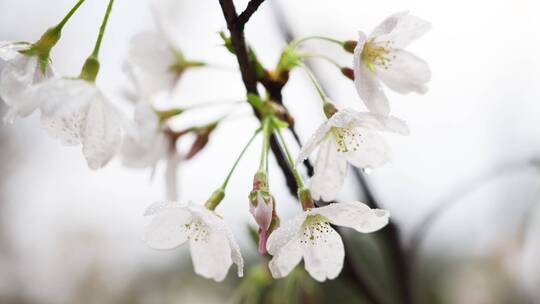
point(352, 118)
point(167, 229)
point(10, 50)
point(285, 233)
point(313, 142)
point(323, 253)
point(216, 250)
point(284, 261)
point(158, 207)
point(355, 215)
point(137, 154)
point(401, 28)
point(372, 150)
point(330, 171)
point(145, 145)
point(218, 225)
point(406, 73)
point(211, 256)
point(64, 105)
point(16, 80)
point(368, 86)
point(149, 63)
point(102, 132)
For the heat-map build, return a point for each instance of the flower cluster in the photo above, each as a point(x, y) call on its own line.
point(77, 112)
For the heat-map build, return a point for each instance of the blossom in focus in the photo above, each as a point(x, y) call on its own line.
point(77, 113)
point(351, 137)
point(211, 242)
point(154, 64)
point(380, 57)
point(310, 236)
point(18, 73)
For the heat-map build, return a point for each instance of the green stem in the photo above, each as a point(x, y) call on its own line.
point(224, 186)
point(297, 175)
point(95, 53)
point(313, 79)
point(326, 58)
point(302, 40)
point(60, 25)
point(267, 132)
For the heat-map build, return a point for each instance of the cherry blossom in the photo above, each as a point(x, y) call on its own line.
point(310, 236)
point(211, 242)
point(154, 64)
point(19, 72)
point(348, 137)
point(146, 144)
point(381, 57)
point(76, 112)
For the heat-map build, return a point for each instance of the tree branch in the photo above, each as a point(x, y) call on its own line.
point(251, 8)
point(249, 77)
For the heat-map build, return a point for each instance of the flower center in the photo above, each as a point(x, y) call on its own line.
point(377, 54)
point(315, 229)
point(196, 231)
point(347, 139)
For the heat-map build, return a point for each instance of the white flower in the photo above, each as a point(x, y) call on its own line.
point(381, 56)
point(152, 64)
point(310, 236)
point(18, 73)
point(76, 112)
point(146, 144)
point(348, 136)
point(211, 242)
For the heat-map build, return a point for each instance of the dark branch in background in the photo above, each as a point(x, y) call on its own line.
point(391, 234)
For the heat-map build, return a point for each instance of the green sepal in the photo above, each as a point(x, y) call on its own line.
point(278, 123)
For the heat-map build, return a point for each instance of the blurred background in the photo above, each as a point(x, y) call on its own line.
point(71, 235)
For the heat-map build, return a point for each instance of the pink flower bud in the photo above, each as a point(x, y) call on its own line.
point(262, 211)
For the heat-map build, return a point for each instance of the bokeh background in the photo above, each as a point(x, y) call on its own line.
point(70, 235)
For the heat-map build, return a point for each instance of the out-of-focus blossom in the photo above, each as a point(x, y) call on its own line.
point(154, 64)
point(146, 144)
point(310, 236)
point(211, 242)
point(348, 137)
point(77, 113)
point(381, 57)
point(18, 73)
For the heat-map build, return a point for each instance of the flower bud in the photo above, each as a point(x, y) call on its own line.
point(216, 198)
point(203, 136)
point(348, 72)
point(350, 45)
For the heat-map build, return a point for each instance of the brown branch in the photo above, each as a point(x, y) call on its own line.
point(251, 8)
point(249, 77)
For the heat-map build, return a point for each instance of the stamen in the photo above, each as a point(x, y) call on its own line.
point(347, 139)
point(316, 228)
point(377, 54)
point(196, 231)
